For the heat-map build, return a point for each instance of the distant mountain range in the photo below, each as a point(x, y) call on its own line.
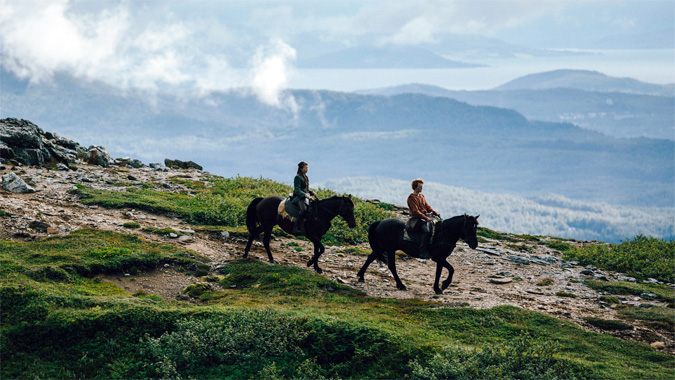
point(585, 80)
point(620, 107)
point(485, 148)
point(390, 57)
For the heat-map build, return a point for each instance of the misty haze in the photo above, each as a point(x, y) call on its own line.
point(568, 131)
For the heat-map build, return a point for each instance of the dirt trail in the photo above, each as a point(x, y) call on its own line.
point(522, 274)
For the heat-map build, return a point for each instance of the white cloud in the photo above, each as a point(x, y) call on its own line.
point(134, 46)
point(39, 38)
point(271, 71)
point(373, 136)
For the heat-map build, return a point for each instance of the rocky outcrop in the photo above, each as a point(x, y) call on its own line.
point(25, 143)
point(14, 184)
point(181, 165)
point(97, 155)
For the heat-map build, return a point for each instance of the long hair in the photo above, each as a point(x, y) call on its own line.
point(301, 165)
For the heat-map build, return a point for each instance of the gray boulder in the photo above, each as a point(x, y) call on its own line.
point(181, 165)
point(13, 183)
point(130, 162)
point(97, 155)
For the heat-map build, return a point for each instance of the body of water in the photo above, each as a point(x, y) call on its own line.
point(651, 66)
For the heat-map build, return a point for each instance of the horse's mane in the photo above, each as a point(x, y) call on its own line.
point(345, 197)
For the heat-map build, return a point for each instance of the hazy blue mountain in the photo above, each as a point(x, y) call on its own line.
point(467, 47)
point(587, 81)
point(404, 136)
point(546, 214)
point(621, 113)
point(386, 57)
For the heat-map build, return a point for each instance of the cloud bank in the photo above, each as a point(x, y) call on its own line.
point(116, 43)
point(202, 46)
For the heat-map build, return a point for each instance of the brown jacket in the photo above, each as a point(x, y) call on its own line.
point(418, 206)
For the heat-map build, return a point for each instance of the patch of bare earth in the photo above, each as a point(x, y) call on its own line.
point(525, 274)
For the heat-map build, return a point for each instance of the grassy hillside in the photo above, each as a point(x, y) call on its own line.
point(223, 202)
point(254, 320)
point(59, 321)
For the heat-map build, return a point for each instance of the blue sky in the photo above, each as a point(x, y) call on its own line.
point(203, 46)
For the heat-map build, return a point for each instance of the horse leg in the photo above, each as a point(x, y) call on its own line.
point(391, 263)
point(439, 269)
point(369, 260)
point(318, 251)
point(448, 281)
point(252, 237)
point(266, 243)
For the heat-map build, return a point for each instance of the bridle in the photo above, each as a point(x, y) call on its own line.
point(339, 211)
point(465, 227)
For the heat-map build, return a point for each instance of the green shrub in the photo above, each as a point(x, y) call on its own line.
point(642, 257)
point(560, 246)
point(237, 345)
point(490, 234)
point(386, 206)
point(522, 358)
point(609, 299)
point(131, 225)
point(607, 324)
point(655, 316)
point(662, 292)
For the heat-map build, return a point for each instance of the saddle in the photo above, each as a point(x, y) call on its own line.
point(413, 233)
point(289, 211)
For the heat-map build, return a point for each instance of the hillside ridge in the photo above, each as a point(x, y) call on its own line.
point(524, 272)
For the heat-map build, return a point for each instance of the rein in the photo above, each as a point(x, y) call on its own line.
point(334, 214)
point(440, 233)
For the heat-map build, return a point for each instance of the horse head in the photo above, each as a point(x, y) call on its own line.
point(469, 230)
point(346, 210)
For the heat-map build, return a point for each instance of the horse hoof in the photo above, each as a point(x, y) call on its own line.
point(361, 279)
point(310, 262)
point(445, 285)
point(318, 270)
point(438, 291)
point(401, 287)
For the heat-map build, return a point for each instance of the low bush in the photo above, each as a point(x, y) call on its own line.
point(608, 324)
point(642, 257)
point(661, 292)
point(522, 358)
point(131, 225)
point(239, 344)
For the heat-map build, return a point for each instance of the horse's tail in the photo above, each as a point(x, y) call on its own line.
point(372, 239)
point(252, 215)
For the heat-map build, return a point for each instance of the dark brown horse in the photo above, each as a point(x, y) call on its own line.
point(386, 237)
point(262, 215)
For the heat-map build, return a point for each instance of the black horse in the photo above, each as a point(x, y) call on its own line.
point(386, 236)
point(262, 215)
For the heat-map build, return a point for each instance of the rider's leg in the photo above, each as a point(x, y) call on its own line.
point(297, 227)
point(426, 234)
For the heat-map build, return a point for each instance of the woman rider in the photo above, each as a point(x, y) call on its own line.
point(420, 212)
point(301, 195)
